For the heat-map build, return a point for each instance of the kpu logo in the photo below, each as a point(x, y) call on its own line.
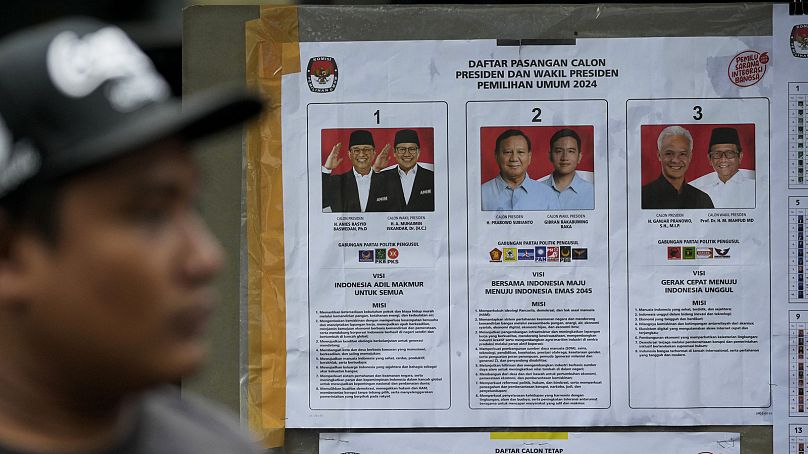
point(322, 74)
point(799, 41)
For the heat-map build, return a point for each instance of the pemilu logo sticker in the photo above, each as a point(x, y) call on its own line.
point(323, 74)
point(79, 65)
point(747, 68)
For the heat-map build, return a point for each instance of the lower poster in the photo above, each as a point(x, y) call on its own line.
point(479, 234)
point(532, 443)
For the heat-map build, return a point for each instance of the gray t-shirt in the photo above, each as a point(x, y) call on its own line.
point(170, 424)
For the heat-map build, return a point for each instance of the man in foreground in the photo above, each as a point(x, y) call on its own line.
point(728, 186)
point(105, 265)
point(670, 190)
point(513, 189)
point(571, 191)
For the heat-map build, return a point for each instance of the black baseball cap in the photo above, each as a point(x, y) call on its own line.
point(78, 92)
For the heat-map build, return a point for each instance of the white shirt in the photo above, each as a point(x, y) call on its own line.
point(737, 192)
point(407, 181)
point(363, 183)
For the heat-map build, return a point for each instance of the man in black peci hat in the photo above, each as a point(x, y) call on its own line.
point(105, 265)
point(359, 189)
point(729, 186)
point(410, 183)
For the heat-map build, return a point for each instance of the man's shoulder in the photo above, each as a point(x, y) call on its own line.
point(704, 181)
point(745, 176)
point(689, 187)
point(582, 183)
point(658, 184)
point(339, 176)
point(538, 185)
point(176, 424)
point(425, 171)
point(490, 184)
point(343, 175)
point(701, 198)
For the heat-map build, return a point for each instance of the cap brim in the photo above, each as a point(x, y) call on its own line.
point(197, 116)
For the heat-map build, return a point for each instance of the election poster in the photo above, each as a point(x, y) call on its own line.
point(477, 234)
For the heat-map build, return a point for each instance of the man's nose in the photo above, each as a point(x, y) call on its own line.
point(204, 254)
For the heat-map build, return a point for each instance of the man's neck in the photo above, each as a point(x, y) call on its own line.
point(367, 171)
point(40, 414)
point(514, 182)
point(725, 179)
point(677, 183)
point(562, 181)
point(407, 171)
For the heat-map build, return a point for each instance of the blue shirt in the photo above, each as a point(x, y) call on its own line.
point(531, 195)
point(579, 195)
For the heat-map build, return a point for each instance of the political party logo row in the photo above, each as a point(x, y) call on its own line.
point(693, 253)
point(379, 255)
point(539, 254)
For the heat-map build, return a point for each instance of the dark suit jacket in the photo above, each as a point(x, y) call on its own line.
point(422, 197)
point(341, 193)
point(660, 194)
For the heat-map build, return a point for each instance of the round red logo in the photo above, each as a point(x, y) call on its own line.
point(764, 58)
point(392, 253)
point(747, 68)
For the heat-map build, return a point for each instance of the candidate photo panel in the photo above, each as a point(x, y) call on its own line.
point(698, 166)
point(378, 169)
point(698, 222)
point(537, 168)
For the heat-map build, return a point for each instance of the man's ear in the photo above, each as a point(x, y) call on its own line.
point(12, 269)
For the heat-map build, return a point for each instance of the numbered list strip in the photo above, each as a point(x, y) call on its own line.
point(797, 124)
point(797, 220)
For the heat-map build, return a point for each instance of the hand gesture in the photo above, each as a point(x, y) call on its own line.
point(334, 159)
point(382, 159)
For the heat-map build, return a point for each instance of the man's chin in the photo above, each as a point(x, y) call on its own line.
point(184, 362)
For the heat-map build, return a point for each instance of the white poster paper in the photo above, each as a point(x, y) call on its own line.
point(789, 196)
point(490, 235)
point(532, 443)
